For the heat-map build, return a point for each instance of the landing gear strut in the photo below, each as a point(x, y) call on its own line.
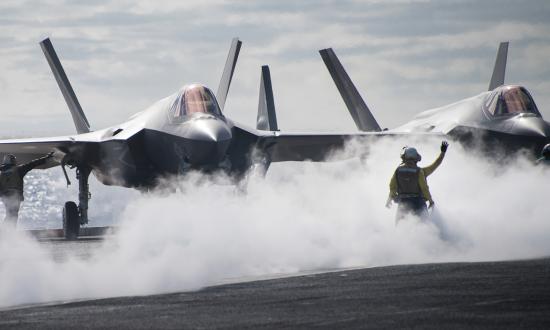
point(73, 216)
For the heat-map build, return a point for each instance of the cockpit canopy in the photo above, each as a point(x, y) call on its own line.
point(510, 100)
point(194, 99)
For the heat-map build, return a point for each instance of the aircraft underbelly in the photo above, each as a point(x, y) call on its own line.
point(495, 141)
point(172, 154)
point(149, 155)
point(124, 163)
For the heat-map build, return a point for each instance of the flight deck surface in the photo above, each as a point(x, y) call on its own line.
point(512, 294)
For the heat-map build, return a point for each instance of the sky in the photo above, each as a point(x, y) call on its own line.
point(404, 56)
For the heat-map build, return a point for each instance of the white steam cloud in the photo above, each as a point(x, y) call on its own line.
point(303, 216)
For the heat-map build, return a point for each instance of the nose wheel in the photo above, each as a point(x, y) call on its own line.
point(71, 221)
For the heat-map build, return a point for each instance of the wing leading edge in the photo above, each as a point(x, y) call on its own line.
point(28, 149)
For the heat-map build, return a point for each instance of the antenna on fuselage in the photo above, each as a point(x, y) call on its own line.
point(499, 70)
point(79, 119)
point(228, 70)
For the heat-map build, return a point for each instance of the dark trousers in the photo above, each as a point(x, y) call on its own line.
point(411, 205)
point(12, 202)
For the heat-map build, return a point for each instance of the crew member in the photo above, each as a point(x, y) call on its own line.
point(408, 185)
point(11, 184)
point(545, 156)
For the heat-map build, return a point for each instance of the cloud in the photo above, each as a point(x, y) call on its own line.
point(121, 56)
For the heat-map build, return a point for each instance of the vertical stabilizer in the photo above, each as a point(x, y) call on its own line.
point(79, 119)
point(267, 118)
point(500, 66)
point(364, 120)
point(228, 70)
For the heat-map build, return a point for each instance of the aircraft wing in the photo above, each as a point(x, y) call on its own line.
point(299, 147)
point(318, 147)
point(28, 149)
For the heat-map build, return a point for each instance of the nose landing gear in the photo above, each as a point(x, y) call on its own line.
point(74, 216)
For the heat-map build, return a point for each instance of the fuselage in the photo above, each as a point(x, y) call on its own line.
point(181, 132)
point(187, 131)
point(506, 117)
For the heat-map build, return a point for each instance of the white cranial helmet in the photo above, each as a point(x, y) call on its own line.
point(409, 153)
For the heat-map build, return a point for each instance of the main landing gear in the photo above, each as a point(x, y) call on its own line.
point(74, 216)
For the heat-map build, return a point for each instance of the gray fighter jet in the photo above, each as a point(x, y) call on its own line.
point(502, 120)
point(182, 132)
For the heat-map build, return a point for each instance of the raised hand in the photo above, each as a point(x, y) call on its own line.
point(444, 146)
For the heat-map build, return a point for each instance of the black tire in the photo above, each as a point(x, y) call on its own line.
point(71, 221)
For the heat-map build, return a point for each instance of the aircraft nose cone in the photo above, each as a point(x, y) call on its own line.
point(209, 130)
point(534, 127)
point(207, 141)
point(531, 133)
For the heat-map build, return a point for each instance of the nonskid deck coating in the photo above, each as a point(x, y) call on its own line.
point(513, 294)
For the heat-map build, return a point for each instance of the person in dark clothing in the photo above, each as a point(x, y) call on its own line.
point(408, 185)
point(11, 184)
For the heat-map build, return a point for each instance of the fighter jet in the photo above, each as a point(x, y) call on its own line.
point(183, 132)
point(502, 120)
